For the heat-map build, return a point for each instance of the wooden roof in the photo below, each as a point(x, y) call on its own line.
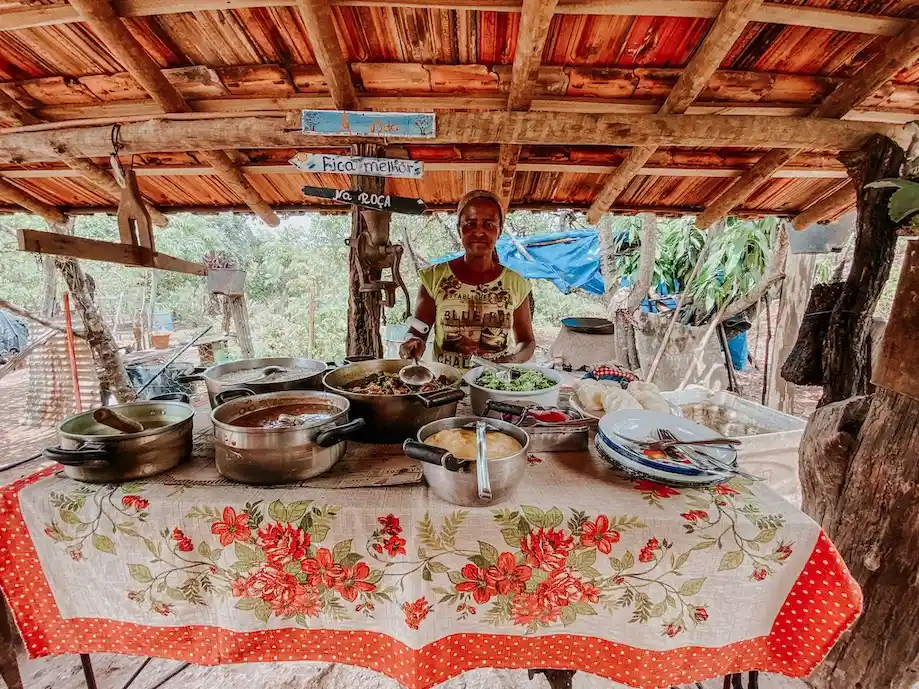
point(63, 74)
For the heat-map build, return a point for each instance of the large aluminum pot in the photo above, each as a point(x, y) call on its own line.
point(234, 375)
point(95, 453)
point(269, 456)
point(454, 480)
point(393, 418)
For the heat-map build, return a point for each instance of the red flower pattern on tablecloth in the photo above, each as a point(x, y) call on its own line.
point(233, 527)
point(135, 501)
point(416, 612)
point(275, 560)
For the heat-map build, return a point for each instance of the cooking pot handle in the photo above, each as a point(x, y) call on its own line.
point(335, 435)
point(432, 454)
point(87, 456)
point(504, 407)
point(231, 394)
point(440, 398)
point(172, 397)
point(194, 376)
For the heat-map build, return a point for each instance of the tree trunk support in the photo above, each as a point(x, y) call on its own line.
point(9, 667)
point(239, 312)
point(364, 308)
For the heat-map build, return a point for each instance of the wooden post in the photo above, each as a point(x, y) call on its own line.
point(240, 316)
point(846, 345)
point(364, 309)
point(9, 667)
point(799, 276)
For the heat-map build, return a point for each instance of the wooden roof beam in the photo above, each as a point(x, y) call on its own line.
point(320, 27)
point(11, 110)
point(524, 128)
point(731, 21)
point(16, 195)
point(896, 55)
point(106, 23)
point(826, 208)
point(776, 13)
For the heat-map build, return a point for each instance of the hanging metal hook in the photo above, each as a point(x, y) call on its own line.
point(115, 164)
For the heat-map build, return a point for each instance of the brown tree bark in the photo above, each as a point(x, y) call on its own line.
point(109, 368)
point(846, 346)
point(364, 309)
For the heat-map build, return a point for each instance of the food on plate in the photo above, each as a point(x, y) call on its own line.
point(287, 416)
point(617, 399)
point(648, 396)
point(529, 380)
point(460, 442)
point(390, 384)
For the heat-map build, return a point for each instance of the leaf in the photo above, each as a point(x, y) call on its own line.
point(658, 609)
point(293, 567)
point(587, 559)
point(204, 549)
point(455, 577)
point(512, 537)
point(427, 532)
point(904, 202)
point(681, 560)
point(438, 567)
point(426, 574)
point(534, 515)
point(140, 573)
point(70, 517)
point(489, 552)
point(691, 587)
point(374, 576)
point(244, 553)
point(731, 560)
point(615, 563)
point(553, 518)
point(341, 550)
point(628, 560)
point(278, 512)
point(319, 532)
point(103, 543)
point(350, 560)
point(262, 611)
point(151, 546)
point(451, 528)
point(569, 615)
point(175, 594)
point(582, 608)
point(479, 561)
point(766, 535)
point(297, 510)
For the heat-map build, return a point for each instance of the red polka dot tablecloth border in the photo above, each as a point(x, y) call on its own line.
point(823, 602)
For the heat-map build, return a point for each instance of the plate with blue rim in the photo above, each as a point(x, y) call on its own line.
point(636, 471)
point(624, 431)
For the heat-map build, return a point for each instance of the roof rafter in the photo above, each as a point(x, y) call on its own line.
point(101, 17)
point(104, 180)
point(16, 195)
point(320, 26)
point(777, 13)
point(897, 54)
point(731, 21)
point(828, 207)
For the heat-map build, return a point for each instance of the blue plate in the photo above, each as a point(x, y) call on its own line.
point(630, 451)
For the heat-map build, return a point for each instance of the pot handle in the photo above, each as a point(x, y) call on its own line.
point(504, 408)
point(335, 435)
point(440, 397)
point(194, 375)
point(231, 394)
point(91, 457)
point(431, 454)
point(172, 397)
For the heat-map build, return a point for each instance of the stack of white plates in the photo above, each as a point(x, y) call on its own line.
point(700, 467)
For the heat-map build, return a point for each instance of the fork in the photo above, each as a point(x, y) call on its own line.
point(707, 460)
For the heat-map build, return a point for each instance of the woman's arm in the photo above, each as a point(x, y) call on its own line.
point(523, 334)
point(425, 311)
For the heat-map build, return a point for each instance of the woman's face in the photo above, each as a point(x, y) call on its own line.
point(480, 227)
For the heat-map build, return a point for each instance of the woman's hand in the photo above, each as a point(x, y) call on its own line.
point(413, 348)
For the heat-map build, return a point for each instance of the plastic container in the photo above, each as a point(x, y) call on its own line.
point(478, 395)
point(739, 348)
point(160, 340)
point(772, 454)
point(393, 337)
point(227, 281)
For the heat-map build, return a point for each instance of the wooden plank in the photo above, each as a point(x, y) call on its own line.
point(11, 110)
point(525, 128)
point(826, 208)
point(895, 56)
point(834, 20)
point(16, 195)
point(531, 39)
point(320, 26)
point(231, 175)
point(896, 362)
point(56, 244)
point(796, 289)
point(732, 20)
point(508, 156)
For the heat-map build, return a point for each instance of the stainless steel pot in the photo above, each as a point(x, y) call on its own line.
point(393, 418)
point(269, 456)
point(95, 453)
point(219, 377)
point(454, 480)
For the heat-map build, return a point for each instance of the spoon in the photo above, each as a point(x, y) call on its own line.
point(481, 461)
point(504, 372)
point(112, 419)
point(416, 375)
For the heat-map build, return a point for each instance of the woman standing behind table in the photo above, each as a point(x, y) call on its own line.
point(474, 303)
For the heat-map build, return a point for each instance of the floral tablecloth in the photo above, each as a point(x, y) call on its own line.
point(583, 569)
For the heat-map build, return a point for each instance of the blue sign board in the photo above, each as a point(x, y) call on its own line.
point(382, 124)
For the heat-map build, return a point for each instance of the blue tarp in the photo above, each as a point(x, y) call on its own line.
point(571, 260)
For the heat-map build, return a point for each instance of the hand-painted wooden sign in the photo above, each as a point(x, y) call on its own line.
point(378, 202)
point(383, 124)
point(357, 165)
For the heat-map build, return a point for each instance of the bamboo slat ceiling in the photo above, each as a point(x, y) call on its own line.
point(255, 57)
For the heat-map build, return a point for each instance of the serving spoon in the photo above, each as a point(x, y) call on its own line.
point(416, 375)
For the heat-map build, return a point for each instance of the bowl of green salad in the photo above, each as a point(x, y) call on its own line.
point(534, 385)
